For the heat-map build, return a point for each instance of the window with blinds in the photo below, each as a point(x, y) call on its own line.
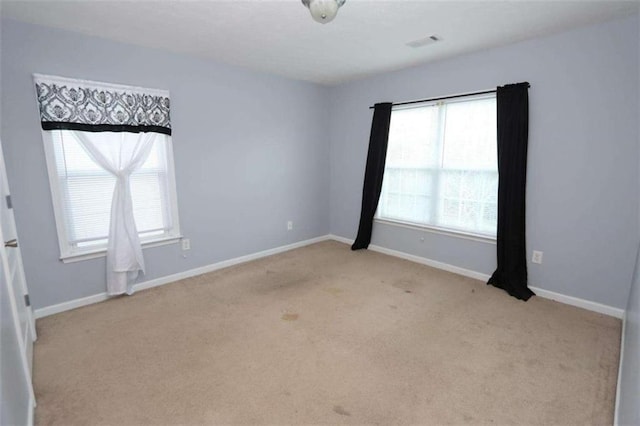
point(441, 168)
point(83, 192)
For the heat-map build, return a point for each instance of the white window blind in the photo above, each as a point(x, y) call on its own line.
point(441, 167)
point(83, 192)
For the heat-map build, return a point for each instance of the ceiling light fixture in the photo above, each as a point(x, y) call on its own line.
point(323, 11)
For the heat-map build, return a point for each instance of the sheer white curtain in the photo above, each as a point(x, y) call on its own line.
point(120, 154)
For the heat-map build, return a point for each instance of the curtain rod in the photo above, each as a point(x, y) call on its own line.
point(442, 98)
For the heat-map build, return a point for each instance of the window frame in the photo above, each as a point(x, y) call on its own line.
point(69, 253)
point(453, 232)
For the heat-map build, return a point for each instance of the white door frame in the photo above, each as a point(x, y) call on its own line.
point(26, 336)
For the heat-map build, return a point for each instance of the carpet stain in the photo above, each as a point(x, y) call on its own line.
point(338, 409)
point(333, 290)
point(290, 317)
point(393, 306)
point(408, 285)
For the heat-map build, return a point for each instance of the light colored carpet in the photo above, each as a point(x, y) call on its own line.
point(325, 335)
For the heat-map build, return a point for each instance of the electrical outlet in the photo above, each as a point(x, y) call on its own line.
point(186, 244)
point(537, 257)
point(289, 225)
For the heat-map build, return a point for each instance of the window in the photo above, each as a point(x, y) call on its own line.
point(82, 193)
point(441, 168)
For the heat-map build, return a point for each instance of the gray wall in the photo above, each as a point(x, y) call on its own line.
point(14, 391)
point(251, 152)
point(582, 197)
point(629, 408)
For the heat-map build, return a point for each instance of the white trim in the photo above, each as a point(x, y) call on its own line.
point(340, 239)
point(421, 260)
point(429, 262)
point(102, 252)
point(56, 196)
point(225, 264)
point(71, 304)
point(545, 294)
point(435, 230)
point(13, 306)
point(616, 418)
point(172, 190)
point(77, 303)
point(580, 303)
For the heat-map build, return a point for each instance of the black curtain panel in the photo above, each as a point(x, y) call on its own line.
point(513, 134)
point(374, 173)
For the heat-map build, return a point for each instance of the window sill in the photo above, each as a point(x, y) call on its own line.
point(102, 252)
point(434, 230)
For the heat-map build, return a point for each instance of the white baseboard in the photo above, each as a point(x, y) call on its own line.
point(71, 304)
point(616, 420)
point(430, 262)
point(225, 264)
point(77, 303)
point(340, 239)
point(580, 303)
point(545, 294)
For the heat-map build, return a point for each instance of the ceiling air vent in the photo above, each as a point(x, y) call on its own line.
point(424, 41)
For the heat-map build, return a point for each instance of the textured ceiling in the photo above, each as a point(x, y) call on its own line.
point(279, 37)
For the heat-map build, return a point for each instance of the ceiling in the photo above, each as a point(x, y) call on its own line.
point(279, 37)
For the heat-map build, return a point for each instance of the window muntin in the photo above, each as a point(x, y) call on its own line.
point(441, 167)
point(83, 191)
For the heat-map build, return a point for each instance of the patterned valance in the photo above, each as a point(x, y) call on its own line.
point(70, 104)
